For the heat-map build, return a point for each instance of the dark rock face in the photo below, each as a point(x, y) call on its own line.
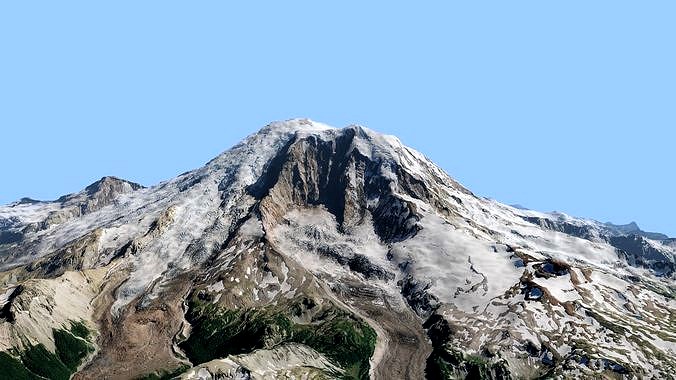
point(99, 194)
point(633, 229)
point(543, 353)
point(29, 201)
point(94, 197)
point(344, 255)
point(315, 172)
point(630, 241)
point(284, 241)
point(637, 252)
point(79, 254)
point(551, 268)
point(396, 219)
point(10, 231)
point(584, 232)
point(415, 293)
point(10, 237)
point(448, 363)
point(7, 223)
point(361, 264)
point(6, 312)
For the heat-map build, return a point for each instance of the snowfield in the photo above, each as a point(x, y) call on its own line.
point(301, 216)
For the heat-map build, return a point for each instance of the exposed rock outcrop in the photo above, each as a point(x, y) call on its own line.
point(312, 252)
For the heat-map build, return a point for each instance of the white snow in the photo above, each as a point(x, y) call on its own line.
point(559, 287)
point(216, 287)
point(461, 254)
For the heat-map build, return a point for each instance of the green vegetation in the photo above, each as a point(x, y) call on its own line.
point(450, 364)
point(346, 340)
point(70, 348)
point(44, 363)
point(79, 329)
point(13, 368)
point(36, 362)
point(439, 365)
point(475, 360)
point(446, 362)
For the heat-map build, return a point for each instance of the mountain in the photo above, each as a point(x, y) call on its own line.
point(312, 252)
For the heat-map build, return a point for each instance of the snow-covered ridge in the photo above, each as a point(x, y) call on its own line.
point(195, 198)
point(349, 208)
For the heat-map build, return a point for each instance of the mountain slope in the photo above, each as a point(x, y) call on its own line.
point(312, 251)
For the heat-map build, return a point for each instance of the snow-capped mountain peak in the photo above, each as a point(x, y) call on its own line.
point(329, 235)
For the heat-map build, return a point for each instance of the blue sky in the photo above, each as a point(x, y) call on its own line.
point(566, 106)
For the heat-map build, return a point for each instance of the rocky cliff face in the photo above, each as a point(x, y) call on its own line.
point(312, 252)
point(639, 248)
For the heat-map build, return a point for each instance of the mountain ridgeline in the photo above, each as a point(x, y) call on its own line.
point(313, 252)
